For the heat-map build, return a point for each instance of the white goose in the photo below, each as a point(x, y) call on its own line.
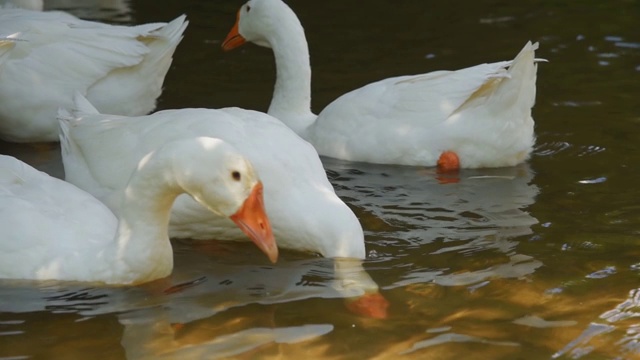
point(474, 117)
point(53, 230)
point(46, 56)
point(303, 208)
point(304, 211)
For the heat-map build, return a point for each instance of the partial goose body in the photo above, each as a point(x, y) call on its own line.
point(53, 230)
point(47, 56)
point(303, 208)
point(481, 115)
point(36, 5)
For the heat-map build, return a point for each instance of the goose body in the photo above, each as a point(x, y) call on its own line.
point(304, 211)
point(45, 57)
point(51, 230)
point(480, 114)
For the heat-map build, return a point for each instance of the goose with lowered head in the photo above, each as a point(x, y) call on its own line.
point(305, 213)
point(45, 57)
point(77, 238)
point(474, 117)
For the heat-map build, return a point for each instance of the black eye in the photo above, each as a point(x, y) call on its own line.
point(248, 8)
point(236, 175)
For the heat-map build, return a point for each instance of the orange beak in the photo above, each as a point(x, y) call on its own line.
point(233, 39)
point(252, 219)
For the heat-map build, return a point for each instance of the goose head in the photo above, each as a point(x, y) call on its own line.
point(259, 22)
point(215, 174)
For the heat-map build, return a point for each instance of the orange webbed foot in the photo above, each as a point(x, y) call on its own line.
point(448, 161)
point(372, 305)
point(448, 165)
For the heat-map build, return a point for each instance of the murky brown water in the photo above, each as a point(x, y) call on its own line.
point(538, 261)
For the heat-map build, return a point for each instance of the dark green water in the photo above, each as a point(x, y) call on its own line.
point(533, 262)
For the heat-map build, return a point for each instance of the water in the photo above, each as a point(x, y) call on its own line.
point(532, 262)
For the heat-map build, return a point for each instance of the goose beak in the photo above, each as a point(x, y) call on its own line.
point(252, 219)
point(233, 39)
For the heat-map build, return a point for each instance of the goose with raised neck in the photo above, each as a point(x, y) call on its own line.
point(474, 117)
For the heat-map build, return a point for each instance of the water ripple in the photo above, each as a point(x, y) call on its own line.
point(453, 337)
point(554, 148)
point(158, 342)
point(623, 318)
point(483, 202)
point(601, 274)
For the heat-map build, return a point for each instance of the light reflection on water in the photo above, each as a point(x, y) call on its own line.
point(415, 211)
point(535, 261)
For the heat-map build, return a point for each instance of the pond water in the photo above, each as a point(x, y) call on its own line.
point(536, 261)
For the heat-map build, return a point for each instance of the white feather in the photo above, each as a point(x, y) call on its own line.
point(121, 69)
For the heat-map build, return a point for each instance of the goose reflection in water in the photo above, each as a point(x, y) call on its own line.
point(413, 219)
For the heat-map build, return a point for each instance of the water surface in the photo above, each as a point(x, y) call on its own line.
point(531, 262)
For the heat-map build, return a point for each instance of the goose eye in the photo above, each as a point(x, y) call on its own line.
point(248, 8)
point(236, 175)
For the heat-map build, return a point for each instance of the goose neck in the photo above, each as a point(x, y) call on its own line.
point(142, 246)
point(291, 102)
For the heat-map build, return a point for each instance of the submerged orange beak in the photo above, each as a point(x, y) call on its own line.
point(252, 219)
point(233, 39)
